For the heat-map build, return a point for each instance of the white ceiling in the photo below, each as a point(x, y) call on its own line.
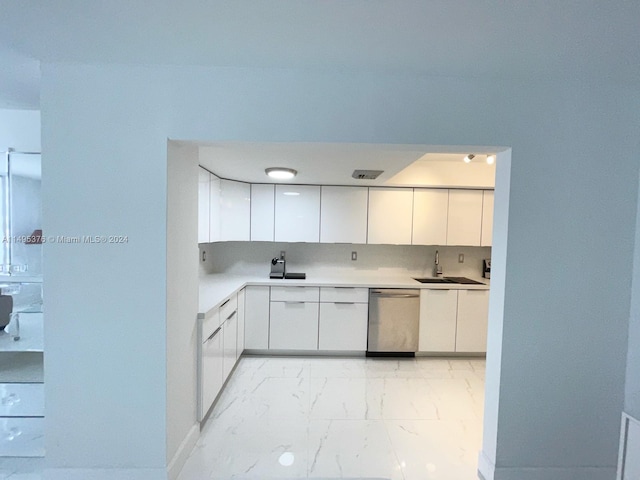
point(530, 38)
point(334, 163)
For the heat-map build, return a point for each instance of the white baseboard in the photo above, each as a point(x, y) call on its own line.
point(629, 454)
point(104, 474)
point(184, 450)
point(488, 471)
point(170, 473)
point(486, 467)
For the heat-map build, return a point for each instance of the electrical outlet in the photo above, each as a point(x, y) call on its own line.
point(354, 256)
point(461, 258)
point(204, 256)
point(282, 252)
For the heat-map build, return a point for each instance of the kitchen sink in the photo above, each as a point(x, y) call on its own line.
point(457, 280)
point(433, 280)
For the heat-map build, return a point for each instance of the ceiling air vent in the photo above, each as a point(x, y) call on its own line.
point(366, 174)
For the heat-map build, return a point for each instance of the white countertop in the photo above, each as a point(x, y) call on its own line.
point(216, 288)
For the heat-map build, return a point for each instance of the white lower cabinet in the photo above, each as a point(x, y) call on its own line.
point(256, 318)
point(438, 312)
point(293, 325)
point(343, 326)
point(229, 344)
point(211, 370)
point(473, 315)
point(343, 319)
point(241, 328)
point(21, 437)
point(21, 419)
point(21, 399)
point(453, 321)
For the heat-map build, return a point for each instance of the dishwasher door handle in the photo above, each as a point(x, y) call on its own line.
point(394, 295)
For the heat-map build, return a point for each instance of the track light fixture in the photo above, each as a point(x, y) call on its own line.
point(491, 158)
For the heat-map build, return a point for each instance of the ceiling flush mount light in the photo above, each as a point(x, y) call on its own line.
point(281, 173)
point(491, 159)
point(468, 158)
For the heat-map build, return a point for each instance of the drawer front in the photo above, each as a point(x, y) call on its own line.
point(22, 437)
point(293, 326)
point(343, 327)
point(227, 307)
point(21, 399)
point(295, 294)
point(344, 294)
point(209, 325)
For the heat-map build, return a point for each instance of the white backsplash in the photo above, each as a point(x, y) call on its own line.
point(254, 258)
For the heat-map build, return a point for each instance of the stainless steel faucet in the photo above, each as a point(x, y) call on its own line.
point(437, 268)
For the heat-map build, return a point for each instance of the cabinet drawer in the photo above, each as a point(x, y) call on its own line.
point(343, 327)
point(293, 326)
point(227, 307)
point(344, 294)
point(22, 437)
point(21, 399)
point(295, 294)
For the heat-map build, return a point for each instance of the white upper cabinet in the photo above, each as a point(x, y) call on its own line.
point(390, 216)
point(214, 209)
point(487, 219)
point(465, 217)
point(343, 215)
point(297, 213)
point(203, 205)
point(262, 212)
point(430, 213)
point(235, 210)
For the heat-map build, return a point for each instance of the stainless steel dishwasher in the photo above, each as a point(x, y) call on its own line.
point(393, 322)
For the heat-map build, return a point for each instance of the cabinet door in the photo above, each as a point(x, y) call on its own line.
point(343, 326)
point(262, 212)
point(256, 318)
point(241, 315)
point(203, 205)
point(487, 218)
point(430, 207)
point(438, 310)
point(473, 316)
point(343, 215)
point(235, 211)
point(229, 344)
point(390, 216)
point(465, 217)
point(21, 399)
point(293, 326)
point(211, 371)
point(214, 209)
point(297, 213)
point(21, 437)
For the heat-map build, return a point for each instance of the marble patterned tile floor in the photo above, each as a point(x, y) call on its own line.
point(325, 418)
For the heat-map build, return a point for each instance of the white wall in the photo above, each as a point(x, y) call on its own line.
point(20, 130)
point(182, 302)
point(104, 172)
point(563, 350)
point(632, 388)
